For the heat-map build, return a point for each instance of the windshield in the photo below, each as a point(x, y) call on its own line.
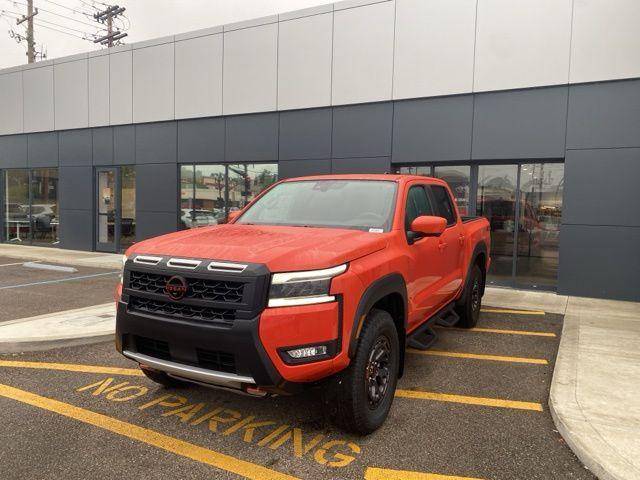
point(356, 204)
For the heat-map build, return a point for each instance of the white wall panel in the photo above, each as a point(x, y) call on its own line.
point(433, 47)
point(71, 95)
point(153, 88)
point(199, 77)
point(304, 62)
point(606, 40)
point(522, 43)
point(11, 114)
point(99, 91)
point(363, 54)
point(250, 69)
point(120, 88)
point(37, 84)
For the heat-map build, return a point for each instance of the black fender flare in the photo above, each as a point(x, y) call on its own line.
point(481, 248)
point(389, 284)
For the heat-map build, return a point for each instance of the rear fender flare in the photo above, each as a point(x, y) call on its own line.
point(481, 248)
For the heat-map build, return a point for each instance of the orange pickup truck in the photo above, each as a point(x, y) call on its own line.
point(319, 282)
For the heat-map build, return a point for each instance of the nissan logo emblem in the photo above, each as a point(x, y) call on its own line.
point(176, 287)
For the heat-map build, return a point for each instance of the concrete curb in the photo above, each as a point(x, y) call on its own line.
point(43, 344)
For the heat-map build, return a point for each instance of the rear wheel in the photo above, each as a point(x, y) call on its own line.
point(358, 399)
point(162, 378)
point(469, 310)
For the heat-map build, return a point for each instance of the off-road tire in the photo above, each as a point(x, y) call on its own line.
point(347, 398)
point(469, 309)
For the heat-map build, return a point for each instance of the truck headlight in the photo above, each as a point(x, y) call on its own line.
point(124, 261)
point(303, 288)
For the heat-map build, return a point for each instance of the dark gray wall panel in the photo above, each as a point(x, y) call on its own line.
point(362, 130)
point(13, 151)
point(361, 165)
point(103, 146)
point(305, 134)
point(301, 168)
point(156, 142)
point(124, 145)
point(601, 187)
point(75, 188)
point(251, 138)
point(157, 188)
point(76, 229)
point(604, 115)
point(152, 224)
point(201, 140)
point(599, 262)
point(520, 124)
point(75, 148)
point(436, 129)
point(42, 149)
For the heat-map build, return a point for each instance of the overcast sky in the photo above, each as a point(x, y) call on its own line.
point(148, 19)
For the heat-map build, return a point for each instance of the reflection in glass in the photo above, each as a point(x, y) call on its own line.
point(186, 196)
point(496, 200)
point(127, 207)
point(458, 178)
point(106, 206)
point(208, 207)
point(248, 180)
point(417, 170)
point(44, 206)
point(16, 205)
point(540, 213)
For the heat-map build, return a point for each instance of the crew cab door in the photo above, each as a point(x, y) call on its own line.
point(450, 244)
point(425, 273)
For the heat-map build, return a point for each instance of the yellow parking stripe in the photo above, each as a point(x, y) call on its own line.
point(73, 367)
point(479, 356)
point(486, 402)
point(505, 332)
point(515, 312)
point(387, 474)
point(145, 435)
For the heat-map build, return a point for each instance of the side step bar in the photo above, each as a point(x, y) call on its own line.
point(424, 336)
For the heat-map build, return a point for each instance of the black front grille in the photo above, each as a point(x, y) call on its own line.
point(153, 348)
point(218, 361)
point(179, 310)
point(200, 289)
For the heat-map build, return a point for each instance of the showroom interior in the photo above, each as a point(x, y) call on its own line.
point(541, 136)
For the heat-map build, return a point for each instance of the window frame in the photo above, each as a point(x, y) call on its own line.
point(451, 204)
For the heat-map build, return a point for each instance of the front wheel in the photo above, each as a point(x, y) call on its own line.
point(358, 399)
point(469, 310)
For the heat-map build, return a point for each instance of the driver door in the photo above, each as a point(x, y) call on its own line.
point(424, 272)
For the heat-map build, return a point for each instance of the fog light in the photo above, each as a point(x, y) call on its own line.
point(308, 352)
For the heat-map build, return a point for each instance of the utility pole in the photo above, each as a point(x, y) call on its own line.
point(31, 44)
point(107, 15)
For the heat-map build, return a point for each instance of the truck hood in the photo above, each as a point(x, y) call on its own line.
point(280, 248)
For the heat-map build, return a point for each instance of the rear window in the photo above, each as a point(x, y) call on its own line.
point(444, 206)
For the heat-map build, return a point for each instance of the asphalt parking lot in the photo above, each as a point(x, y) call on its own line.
point(27, 292)
point(474, 406)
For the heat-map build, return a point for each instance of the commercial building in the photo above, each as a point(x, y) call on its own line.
point(530, 109)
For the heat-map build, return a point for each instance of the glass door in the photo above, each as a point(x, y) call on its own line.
point(107, 209)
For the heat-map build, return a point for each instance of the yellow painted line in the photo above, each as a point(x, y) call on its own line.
point(372, 473)
point(483, 401)
point(145, 435)
point(479, 356)
point(515, 312)
point(505, 332)
point(73, 367)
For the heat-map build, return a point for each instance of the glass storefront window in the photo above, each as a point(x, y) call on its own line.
point(210, 192)
point(417, 170)
point(127, 207)
point(496, 200)
point(459, 179)
point(16, 205)
point(540, 212)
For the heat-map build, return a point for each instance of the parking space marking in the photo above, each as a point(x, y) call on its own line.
point(479, 356)
point(504, 332)
point(483, 401)
point(372, 473)
point(81, 277)
point(514, 312)
point(147, 436)
point(73, 367)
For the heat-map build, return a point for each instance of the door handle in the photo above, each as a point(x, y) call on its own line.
point(461, 239)
point(442, 245)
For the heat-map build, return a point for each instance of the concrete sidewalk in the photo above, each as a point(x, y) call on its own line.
point(595, 392)
point(66, 257)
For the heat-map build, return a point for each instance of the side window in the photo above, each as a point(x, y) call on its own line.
point(444, 206)
point(417, 204)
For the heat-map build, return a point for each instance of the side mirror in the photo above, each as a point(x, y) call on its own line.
point(429, 226)
point(233, 215)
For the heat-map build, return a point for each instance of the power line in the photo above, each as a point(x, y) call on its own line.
point(74, 10)
point(62, 31)
point(63, 26)
point(54, 13)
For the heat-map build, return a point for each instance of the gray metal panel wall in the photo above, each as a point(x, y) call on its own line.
point(252, 138)
point(201, 140)
point(76, 229)
point(305, 134)
point(75, 188)
point(302, 168)
point(362, 130)
point(152, 224)
point(124, 145)
point(156, 142)
point(76, 147)
point(42, 150)
point(361, 165)
point(157, 188)
point(13, 151)
point(102, 146)
point(432, 129)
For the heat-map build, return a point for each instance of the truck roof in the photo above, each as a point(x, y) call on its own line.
point(367, 176)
